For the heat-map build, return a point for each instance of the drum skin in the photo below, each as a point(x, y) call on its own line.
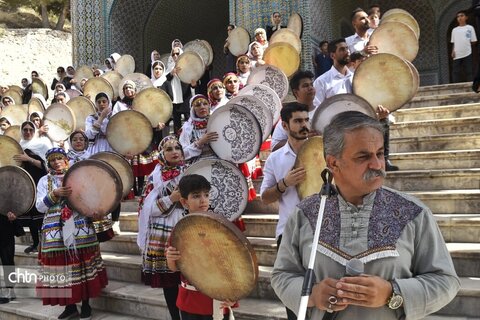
point(310, 157)
point(9, 147)
point(129, 132)
point(125, 65)
point(16, 181)
point(229, 193)
point(191, 67)
point(94, 86)
point(401, 15)
point(114, 78)
point(239, 133)
point(272, 77)
point(283, 56)
point(60, 120)
point(384, 79)
point(238, 40)
point(121, 165)
point(267, 95)
point(83, 72)
point(216, 257)
point(16, 114)
point(396, 38)
point(289, 36)
point(39, 86)
point(295, 23)
point(96, 187)
point(14, 132)
point(141, 82)
point(36, 105)
point(201, 48)
point(82, 108)
point(336, 104)
point(15, 95)
point(155, 104)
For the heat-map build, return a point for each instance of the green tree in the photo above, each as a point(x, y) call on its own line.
point(57, 8)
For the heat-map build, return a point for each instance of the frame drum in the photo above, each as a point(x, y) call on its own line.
point(141, 81)
point(401, 15)
point(210, 51)
point(60, 120)
point(208, 242)
point(295, 23)
point(15, 95)
point(16, 181)
point(199, 47)
point(311, 158)
point(396, 38)
point(84, 72)
point(238, 41)
point(82, 108)
point(94, 86)
point(239, 133)
point(129, 132)
point(35, 105)
point(39, 86)
point(114, 78)
point(267, 95)
point(191, 67)
point(73, 93)
point(155, 104)
point(272, 77)
point(283, 56)
point(9, 147)
point(259, 110)
point(336, 104)
point(121, 165)
point(288, 36)
point(229, 193)
point(16, 88)
point(16, 114)
point(14, 132)
point(125, 65)
point(96, 187)
point(384, 79)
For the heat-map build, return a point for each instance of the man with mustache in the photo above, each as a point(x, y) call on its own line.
point(359, 41)
point(408, 272)
point(280, 179)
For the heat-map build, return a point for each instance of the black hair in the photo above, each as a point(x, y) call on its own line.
point(193, 183)
point(357, 55)
point(101, 95)
point(354, 12)
point(231, 26)
point(299, 75)
point(322, 43)
point(332, 45)
point(462, 11)
point(291, 107)
point(61, 68)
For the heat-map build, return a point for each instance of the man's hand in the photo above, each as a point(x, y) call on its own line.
point(295, 176)
point(382, 112)
point(365, 290)
point(369, 49)
point(321, 293)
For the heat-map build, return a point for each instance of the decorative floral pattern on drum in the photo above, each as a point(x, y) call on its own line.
point(275, 80)
point(239, 134)
point(266, 97)
point(225, 180)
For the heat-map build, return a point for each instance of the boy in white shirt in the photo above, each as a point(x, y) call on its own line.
point(463, 37)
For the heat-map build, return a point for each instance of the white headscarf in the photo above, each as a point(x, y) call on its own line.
point(39, 146)
point(158, 82)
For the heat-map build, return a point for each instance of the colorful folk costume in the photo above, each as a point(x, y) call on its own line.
point(157, 217)
point(69, 244)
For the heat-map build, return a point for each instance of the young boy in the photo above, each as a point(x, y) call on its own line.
point(463, 37)
point(193, 305)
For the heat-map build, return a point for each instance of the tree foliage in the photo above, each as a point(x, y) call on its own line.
point(46, 8)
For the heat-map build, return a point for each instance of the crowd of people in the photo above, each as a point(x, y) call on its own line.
point(410, 261)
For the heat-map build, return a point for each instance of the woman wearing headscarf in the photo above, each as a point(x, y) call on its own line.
point(216, 94)
point(154, 56)
point(33, 161)
point(159, 212)
point(194, 138)
point(158, 76)
point(78, 147)
point(243, 69)
point(231, 84)
point(255, 53)
point(69, 243)
point(261, 37)
point(96, 125)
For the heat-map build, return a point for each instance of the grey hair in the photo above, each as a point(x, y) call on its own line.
point(343, 123)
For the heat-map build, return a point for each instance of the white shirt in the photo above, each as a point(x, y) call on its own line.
point(356, 43)
point(331, 83)
point(278, 164)
point(462, 37)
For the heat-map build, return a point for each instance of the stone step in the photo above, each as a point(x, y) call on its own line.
point(451, 201)
point(442, 142)
point(438, 112)
point(250, 309)
point(462, 87)
point(442, 100)
point(425, 128)
point(457, 228)
point(451, 159)
point(434, 180)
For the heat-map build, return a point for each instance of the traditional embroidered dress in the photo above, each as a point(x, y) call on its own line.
point(97, 136)
point(157, 217)
point(393, 233)
point(69, 245)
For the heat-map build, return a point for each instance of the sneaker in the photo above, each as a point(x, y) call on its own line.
point(86, 313)
point(116, 227)
point(69, 313)
point(31, 249)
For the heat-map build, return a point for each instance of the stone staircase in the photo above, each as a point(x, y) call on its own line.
point(435, 142)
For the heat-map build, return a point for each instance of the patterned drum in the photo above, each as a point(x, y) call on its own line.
point(239, 133)
point(267, 95)
point(229, 193)
point(272, 77)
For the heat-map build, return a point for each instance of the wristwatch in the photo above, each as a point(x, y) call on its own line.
point(396, 300)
